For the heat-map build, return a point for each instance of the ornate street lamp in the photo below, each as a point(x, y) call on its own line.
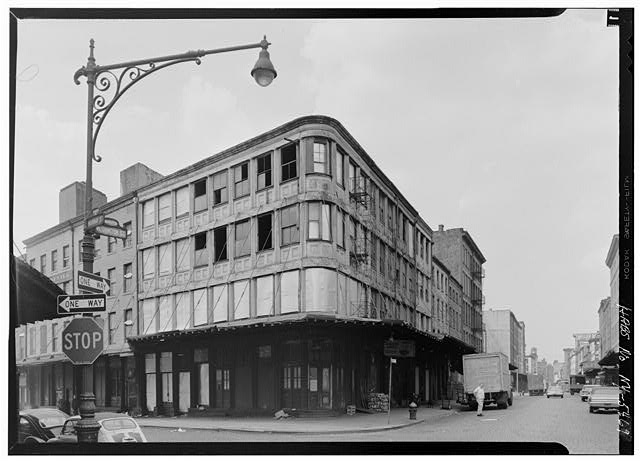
point(111, 82)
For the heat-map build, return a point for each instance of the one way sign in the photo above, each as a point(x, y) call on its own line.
point(80, 304)
point(93, 283)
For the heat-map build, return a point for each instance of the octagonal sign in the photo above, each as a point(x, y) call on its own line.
point(83, 341)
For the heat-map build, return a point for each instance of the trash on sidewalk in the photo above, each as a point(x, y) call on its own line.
point(280, 414)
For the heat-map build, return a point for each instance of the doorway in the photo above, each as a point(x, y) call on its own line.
point(184, 391)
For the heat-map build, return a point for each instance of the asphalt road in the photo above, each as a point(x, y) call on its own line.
point(530, 419)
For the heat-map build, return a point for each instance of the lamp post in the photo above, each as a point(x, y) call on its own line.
point(111, 82)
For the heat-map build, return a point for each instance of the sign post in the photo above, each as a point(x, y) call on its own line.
point(391, 361)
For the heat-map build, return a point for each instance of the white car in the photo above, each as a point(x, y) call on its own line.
point(114, 427)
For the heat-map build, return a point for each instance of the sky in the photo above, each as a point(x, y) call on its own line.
point(506, 127)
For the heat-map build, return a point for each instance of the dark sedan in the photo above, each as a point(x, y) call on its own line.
point(39, 425)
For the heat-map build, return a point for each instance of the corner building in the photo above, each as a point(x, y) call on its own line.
point(271, 274)
point(267, 276)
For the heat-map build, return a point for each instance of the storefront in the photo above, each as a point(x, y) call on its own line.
point(310, 363)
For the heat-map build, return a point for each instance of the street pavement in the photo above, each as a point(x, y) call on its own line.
point(530, 419)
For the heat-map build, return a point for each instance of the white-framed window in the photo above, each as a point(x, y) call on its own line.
point(318, 160)
point(164, 207)
point(149, 263)
point(289, 225)
point(340, 227)
point(288, 162)
point(182, 256)
point(263, 171)
point(65, 257)
point(165, 263)
point(243, 241)
point(220, 191)
point(340, 167)
point(241, 297)
point(148, 214)
point(200, 307)
point(200, 195)
point(182, 201)
point(319, 221)
point(289, 290)
point(241, 180)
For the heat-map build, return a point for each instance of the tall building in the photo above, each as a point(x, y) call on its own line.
point(531, 362)
point(504, 333)
point(608, 313)
point(267, 276)
point(459, 253)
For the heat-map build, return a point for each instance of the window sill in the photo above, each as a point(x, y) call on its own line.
point(289, 180)
point(215, 205)
point(316, 173)
point(318, 240)
point(264, 188)
point(264, 250)
point(289, 244)
point(241, 196)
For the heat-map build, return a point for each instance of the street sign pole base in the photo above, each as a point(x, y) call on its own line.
point(87, 428)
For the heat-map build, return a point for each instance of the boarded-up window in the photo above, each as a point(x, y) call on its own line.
point(149, 316)
point(320, 290)
point(220, 303)
point(182, 255)
point(200, 307)
point(183, 315)
point(165, 259)
point(182, 201)
point(289, 292)
point(264, 295)
point(149, 262)
point(165, 313)
point(342, 293)
point(241, 299)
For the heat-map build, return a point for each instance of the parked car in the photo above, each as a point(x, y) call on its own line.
point(604, 398)
point(555, 391)
point(586, 391)
point(114, 428)
point(39, 425)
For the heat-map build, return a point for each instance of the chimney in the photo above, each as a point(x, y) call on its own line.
point(71, 200)
point(440, 227)
point(137, 176)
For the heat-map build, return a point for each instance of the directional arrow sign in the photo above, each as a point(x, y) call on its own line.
point(111, 231)
point(80, 304)
point(93, 283)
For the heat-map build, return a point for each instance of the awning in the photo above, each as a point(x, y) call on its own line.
point(396, 326)
point(610, 359)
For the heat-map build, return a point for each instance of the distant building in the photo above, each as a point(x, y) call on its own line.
point(531, 362)
point(459, 253)
point(504, 333)
point(609, 312)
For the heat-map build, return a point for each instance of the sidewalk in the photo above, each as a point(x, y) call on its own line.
point(360, 422)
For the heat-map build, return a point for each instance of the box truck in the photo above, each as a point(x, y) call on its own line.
point(492, 371)
point(536, 384)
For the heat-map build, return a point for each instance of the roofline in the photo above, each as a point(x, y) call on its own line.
point(243, 146)
point(611, 253)
point(466, 235)
point(69, 223)
point(440, 263)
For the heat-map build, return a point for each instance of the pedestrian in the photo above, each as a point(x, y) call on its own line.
point(478, 393)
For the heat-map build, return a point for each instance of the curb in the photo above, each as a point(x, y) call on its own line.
point(281, 431)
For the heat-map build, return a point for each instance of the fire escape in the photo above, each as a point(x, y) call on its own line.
point(360, 255)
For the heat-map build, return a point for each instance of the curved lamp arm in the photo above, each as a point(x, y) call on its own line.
point(121, 76)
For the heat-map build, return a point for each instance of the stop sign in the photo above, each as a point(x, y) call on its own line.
point(82, 341)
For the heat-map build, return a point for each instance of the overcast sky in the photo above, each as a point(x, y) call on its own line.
point(508, 128)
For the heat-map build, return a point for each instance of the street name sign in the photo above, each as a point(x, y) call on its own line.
point(93, 283)
point(94, 221)
point(400, 348)
point(111, 231)
point(83, 341)
point(81, 304)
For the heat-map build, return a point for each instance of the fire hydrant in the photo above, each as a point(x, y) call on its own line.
point(413, 410)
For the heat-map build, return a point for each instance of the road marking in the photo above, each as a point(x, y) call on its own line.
point(489, 419)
